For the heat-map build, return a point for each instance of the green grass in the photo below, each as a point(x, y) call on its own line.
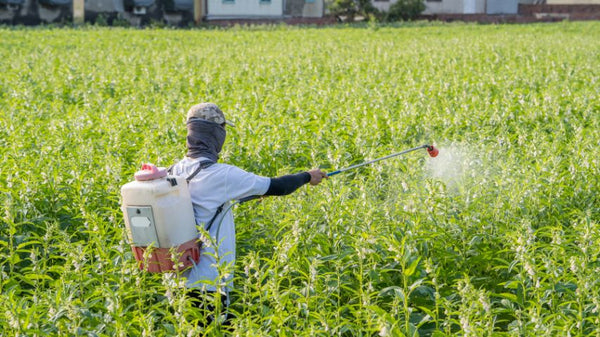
point(509, 245)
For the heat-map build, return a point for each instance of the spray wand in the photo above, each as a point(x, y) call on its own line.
point(430, 149)
point(433, 152)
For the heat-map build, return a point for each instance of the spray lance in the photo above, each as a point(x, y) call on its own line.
point(433, 152)
point(430, 149)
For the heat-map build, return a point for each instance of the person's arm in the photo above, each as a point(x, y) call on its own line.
point(287, 184)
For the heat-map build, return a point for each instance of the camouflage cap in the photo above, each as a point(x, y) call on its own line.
point(209, 112)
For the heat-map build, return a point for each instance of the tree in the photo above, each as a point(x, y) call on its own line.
point(405, 10)
point(351, 8)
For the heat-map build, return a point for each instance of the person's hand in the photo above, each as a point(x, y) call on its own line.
point(316, 176)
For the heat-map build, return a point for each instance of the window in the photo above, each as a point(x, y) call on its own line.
point(228, 1)
point(309, 1)
point(266, 2)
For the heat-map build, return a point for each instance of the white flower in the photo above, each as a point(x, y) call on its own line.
point(484, 303)
point(13, 322)
point(573, 264)
point(110, 305)
point(108, 318)
point(529, 269)
point(464, 323)
point(169, 296)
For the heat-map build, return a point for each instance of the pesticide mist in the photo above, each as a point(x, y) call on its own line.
point(454, 166)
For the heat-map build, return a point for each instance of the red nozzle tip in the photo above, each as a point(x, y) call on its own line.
point(433, 152)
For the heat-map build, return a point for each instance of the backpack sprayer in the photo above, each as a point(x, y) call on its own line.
point(160, 221)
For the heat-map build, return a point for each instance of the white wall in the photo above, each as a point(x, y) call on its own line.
point(469, 6)
point(502, 6)
point(477, 6)
point(246, 8)
point(455, 7)
point(573, 2)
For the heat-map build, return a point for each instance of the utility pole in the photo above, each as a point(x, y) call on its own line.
point(198, 11)
point(78, 11)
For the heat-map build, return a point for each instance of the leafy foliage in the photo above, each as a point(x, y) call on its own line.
point(351, 8)
point(508, 246)
point(405, 10)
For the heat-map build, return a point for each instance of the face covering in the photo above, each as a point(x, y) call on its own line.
point(204, 139)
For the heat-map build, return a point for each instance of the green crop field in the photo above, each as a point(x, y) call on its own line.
point(498, 235)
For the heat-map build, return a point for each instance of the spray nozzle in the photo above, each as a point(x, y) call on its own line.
point(433, 152)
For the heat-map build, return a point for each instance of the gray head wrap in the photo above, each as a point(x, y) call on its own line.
point(204, 139)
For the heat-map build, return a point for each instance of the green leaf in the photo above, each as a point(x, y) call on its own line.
point(509, 296)
point(413, 267)
point(394, 291)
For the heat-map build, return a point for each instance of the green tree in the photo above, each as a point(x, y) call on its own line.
point(351, 8)
point(405, 10)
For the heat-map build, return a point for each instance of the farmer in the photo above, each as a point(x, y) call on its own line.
point(213, 187)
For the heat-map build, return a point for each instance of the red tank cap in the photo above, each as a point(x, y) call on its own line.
point(150, 172)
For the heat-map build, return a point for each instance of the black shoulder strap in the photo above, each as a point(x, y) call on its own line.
point(202, 166)
point(210, 223)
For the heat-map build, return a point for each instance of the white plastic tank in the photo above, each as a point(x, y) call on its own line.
point(158, 213)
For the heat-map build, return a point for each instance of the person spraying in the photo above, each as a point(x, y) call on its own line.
point(162, 211)
point(213, 186)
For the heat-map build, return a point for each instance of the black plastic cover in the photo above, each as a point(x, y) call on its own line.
point(55, 2)
point(139, 3)
point(178, 5)
point(11, 2)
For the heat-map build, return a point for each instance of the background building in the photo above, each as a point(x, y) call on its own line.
point(186, 12)
point(177, 12)
point(434, 7)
